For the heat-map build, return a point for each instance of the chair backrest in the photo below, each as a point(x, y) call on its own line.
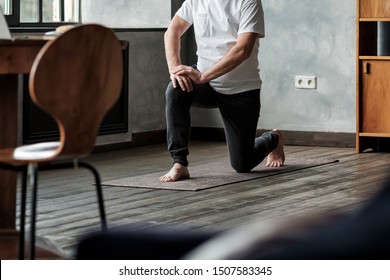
point(76, 78)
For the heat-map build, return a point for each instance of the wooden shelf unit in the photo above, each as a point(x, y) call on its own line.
point(372, 75)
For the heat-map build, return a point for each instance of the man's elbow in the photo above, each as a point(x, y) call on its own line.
point(171, 35)
point(246, 54)
point(166, 35)
point(243, 54)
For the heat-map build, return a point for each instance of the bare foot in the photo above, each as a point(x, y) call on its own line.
point(177, 172)
point(276, 157)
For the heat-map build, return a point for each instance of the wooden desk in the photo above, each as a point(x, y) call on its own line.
point(16, 57)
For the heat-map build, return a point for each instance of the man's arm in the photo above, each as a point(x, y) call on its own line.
point(234, 57)
point(176, 29)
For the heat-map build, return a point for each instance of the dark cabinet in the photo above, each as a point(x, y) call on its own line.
point(38, 126)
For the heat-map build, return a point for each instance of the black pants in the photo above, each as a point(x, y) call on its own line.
point(240, 113)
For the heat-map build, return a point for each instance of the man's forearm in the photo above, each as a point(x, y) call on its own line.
point(172, 49)
point(172, 41)
point(234, 57)
point(227, 63)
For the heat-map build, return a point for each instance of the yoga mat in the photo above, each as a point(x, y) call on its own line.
point(214, 174)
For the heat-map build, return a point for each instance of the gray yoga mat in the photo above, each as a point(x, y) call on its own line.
point(214, 174)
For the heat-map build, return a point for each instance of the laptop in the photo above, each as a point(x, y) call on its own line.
point(4, 30)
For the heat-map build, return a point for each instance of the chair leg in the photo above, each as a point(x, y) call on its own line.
point(99, 192)
point(22, 214)
point(33, 173)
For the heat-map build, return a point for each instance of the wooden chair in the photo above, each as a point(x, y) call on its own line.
point(75, 78)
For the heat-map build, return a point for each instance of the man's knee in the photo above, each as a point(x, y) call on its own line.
point(173, 94)
point(170, 89)
point(241, 166)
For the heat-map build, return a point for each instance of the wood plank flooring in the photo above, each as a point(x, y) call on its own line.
point(67, 207)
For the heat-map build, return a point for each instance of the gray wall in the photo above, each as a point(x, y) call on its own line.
point(148, 78)
point(303, 37)
point(316, 38)
point(127, 14)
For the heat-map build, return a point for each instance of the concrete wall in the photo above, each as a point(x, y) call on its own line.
point(315, 38)
point(148, 74)
point(127, 14)
point(303, 37)
point(148, 78)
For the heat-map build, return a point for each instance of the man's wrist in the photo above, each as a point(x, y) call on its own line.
point(172, 65)
point(203, 79)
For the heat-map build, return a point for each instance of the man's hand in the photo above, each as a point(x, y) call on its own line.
point(194, 75)
point(183, 81)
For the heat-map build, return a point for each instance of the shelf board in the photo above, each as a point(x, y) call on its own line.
point(373, 57)
point(368, 134)
point(373, 19)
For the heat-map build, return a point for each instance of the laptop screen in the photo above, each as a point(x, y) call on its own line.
point(4, 30)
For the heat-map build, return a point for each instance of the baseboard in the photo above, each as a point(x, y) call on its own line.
point(293, 138)
point(138, 139)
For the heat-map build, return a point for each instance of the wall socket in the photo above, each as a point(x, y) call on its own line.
point(305, 82)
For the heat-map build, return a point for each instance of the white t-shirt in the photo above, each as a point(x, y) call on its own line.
point(217, 24)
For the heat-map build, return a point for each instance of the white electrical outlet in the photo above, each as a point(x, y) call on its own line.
point(305, 82)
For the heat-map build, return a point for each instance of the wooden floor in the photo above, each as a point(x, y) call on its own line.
point(67, 206)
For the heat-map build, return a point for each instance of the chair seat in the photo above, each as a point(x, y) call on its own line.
point(37, 151)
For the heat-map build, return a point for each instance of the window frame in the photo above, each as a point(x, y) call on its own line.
point(16, 26)
point(13, 20)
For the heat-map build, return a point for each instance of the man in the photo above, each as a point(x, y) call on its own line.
point(227, 34)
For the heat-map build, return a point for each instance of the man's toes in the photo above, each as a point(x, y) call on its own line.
point(164, 178)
